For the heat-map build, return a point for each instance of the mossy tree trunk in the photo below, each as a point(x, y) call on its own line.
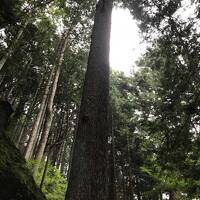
point(5, 112)
point(15, 179)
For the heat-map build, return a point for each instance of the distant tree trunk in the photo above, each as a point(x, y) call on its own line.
point(11, 48)
point(130, 171)
point(39, 133)
point(30, 111)
point(160, 195)
point(111, 186)
point(63, 158)
point(173, 195)
point(61, 133)
point(124, 188)
point(48, 122)
point(5, 112)
point(45, 169)
point(29, 147)
point(111, 163)
point(36, 127)
point(139, 196)
point(88, 176)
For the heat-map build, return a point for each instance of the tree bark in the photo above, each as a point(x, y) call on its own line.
point(173, 195)
point(40, 116)
point(88, 177)
point(5, 112)
point(45, 169)
point(36, 126)
point(111, 163)
point(30, 111)
point(47, 125)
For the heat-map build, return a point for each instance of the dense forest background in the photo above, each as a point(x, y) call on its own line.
point(153, 146)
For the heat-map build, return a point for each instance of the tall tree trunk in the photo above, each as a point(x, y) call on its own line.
point(11, 48)
point(124, 186)
point(88, 179)
point(36, 126)
point(63, 160)
point(45, 169)
point(111, 163)
point(47, 125)
point(30, 111)
point(61, 133)
point(33, 135)
point(111, 185)
point(130, 171)
point(39, 134)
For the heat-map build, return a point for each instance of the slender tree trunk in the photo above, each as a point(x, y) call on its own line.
point(47, 126)
point(124, 190)
point(42, 143)
point(70, 159)
point(111, 186)
point(18, 140)
point(111, 163)
point(63, 158)
point(28, 151)
point(40, 116)
point(45, 169)
point(39, 134)
point(11, 48)
point(161, 196)
point(130, 171)
point(88, 179)
point(57, 154)
point(173, 195)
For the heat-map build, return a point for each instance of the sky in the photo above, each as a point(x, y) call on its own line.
point(126, 43)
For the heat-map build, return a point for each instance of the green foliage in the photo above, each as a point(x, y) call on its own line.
point(55, 184)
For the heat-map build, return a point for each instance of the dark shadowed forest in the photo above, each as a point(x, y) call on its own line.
point(73, 129)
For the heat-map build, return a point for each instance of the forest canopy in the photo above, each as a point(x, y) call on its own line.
point(83, 131)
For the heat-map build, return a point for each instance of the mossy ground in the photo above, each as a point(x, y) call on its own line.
point(16, 182)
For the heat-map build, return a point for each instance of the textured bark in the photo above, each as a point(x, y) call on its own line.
point(88, 177)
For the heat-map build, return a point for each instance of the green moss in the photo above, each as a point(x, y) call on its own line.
point(16, 181)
